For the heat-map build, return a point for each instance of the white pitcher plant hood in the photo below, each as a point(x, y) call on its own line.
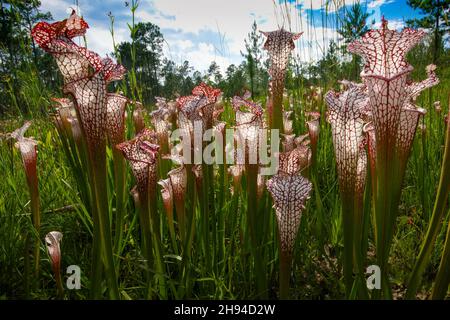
point(346, 114)
point(289, 195)
point(53, 242)
point(141, 152)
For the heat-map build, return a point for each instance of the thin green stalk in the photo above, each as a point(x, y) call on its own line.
point(136, 92)
point(362, 248)
point(164, 165)
point(181, 219)
point(387, 197)
point(348, 219)
point(252, 210)
point(98, 180)
point(150, 230)
point(26, 269)
point(360, 239)
point(120, 191)
point(76, 156)
point(353, 225)
point(220, 240)
point(187, 259)
point(321, 221)
point(233, 217)
point(204, 211)
point(36, 217)
point(77, 152)
point(422, 175)
point(187, 227)
point(285, 274)
point(443, 276)
point(435, 223)
point(212, 221)
point(97, 266)
point(157, 241)
point(366, 218)
point(147, 247)
point(59, 288)
point(173, 235)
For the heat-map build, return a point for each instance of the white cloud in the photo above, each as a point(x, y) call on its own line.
point(99, 38)
point(143, 15)
point(61, 9)
point(183, 44)
point(378, 3)
point(58, 8)
point(329, 5)
point(231, 21)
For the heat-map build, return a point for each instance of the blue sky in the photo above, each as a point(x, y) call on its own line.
point(202, 31)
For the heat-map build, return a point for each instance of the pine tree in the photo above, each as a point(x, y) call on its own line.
point(253, 57)
point(353, 26)
point(436, 19)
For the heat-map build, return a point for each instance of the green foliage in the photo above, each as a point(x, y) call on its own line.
point(235, 80)
point(21, 89)
point(254, 61)
point(177, 79)
point(147, 41)
point(436, 19)
point(354, 22)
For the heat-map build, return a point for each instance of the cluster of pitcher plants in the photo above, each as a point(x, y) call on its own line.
point(179, 201)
